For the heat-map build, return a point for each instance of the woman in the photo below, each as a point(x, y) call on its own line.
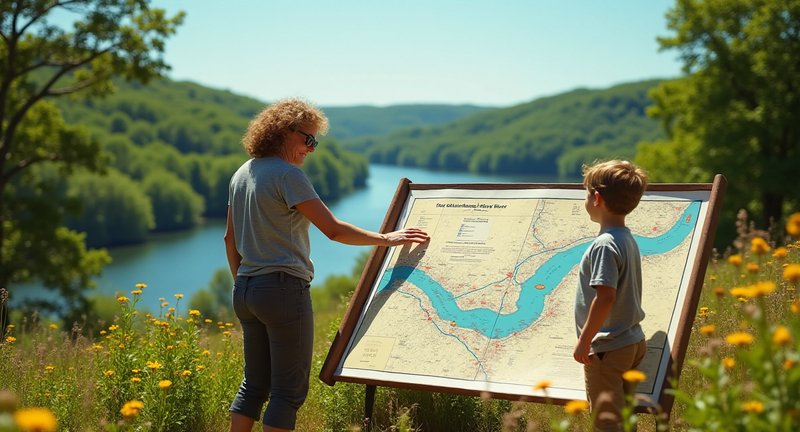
point(271, 203)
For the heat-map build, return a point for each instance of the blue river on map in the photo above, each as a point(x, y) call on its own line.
point(531, 300)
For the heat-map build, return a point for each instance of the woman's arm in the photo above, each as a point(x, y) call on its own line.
point(234, 259)
point(320, 215)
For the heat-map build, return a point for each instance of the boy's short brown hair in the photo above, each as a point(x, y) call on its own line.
point(621, 184)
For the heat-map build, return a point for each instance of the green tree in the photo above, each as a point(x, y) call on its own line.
point(41, 60)
point(175, 204)
point(737, 110)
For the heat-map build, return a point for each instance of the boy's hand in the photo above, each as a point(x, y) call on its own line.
point(581, 353)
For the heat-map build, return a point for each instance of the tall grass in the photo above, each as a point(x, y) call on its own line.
point(173, 372)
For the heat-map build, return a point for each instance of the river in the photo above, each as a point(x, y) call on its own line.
point(184, 262)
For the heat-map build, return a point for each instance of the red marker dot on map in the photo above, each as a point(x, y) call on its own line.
point(452, 323)
point(509, 274)
point(539, 286)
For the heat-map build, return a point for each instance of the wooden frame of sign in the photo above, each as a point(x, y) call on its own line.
point(415, 322)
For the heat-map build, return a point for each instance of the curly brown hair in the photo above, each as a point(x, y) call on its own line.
point(621, 184)
point(267, 131)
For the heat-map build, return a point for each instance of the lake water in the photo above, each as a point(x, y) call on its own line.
point(184, 262)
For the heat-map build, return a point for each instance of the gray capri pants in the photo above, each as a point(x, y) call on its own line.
point(278, 329)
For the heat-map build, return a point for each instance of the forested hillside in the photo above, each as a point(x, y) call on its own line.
point(173, 147)
point(549, 136)
point(356, 121)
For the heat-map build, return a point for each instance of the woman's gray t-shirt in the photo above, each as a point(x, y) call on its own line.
point(271, 234)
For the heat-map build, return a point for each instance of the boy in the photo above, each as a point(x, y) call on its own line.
point(608, 303)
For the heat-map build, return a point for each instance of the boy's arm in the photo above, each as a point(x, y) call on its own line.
point(598, 311)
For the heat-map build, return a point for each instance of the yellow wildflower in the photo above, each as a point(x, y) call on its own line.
point(780, 252)
point(49, 368)
point(122, 299)
point(743, 292)
point(634, 376)
point(136, 292)
point(781, 336)
point(186, 373)
point(708, 329)
point(154, 365)
point(206, 352)
point(53, 326)
point(736, 260)
point(207, 321)
point(796, 306)
point(164, 384)
point(793, 224)
point(164, 304)
point(141, 285)
point(719, 291)
point(194, 312)
point(131, 409)
point(35, 420)
point(226, 333)
point(792, 272)
point(575, 407)
point(109, 373)
point(171, 309)
point(789, 363)
point(704, 311)
point(764, 288)
point(728, 362)
point(10, 339)
point(113, 327)
point(739, 339)
point(199, 367)
point(759, 246)
point(752, 267)
point(178, 296)
point(754, 407)
point(542, 385)
point(136, 380)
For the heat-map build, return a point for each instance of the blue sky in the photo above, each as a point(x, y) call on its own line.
point(385, 52)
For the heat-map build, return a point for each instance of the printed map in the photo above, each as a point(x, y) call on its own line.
point(488, 303)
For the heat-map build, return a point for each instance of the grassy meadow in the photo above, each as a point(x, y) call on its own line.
point(173, 371)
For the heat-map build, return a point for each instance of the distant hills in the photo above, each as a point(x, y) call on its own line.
point(549, 136)
point(189, 137)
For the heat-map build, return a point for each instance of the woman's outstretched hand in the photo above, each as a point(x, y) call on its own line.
point(406, 236)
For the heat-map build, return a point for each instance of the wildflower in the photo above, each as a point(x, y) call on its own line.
point(10, 339)
point(739, 339)
point(743, 292)
point(35, 420)
point(171, 309)
point(113, 327)
point(178, 296)
point(154, 365)
point(759, 246)
point(122, 299)
point(708, 330)
point(796, 306)
point(97, 347)
point(575, 407)
point(719, 291)
point(728, 362)
point(136, 380)
point(789, 363)
point(194, 312)
point(206, 352)
point(752, 267)
point(703, 311)
point(735, 260)
point(542, 385)
point(199, 367)
point(141, 285)
point(792, 273)
point(228, 324)
point(754, 407)
point(226, 333)
point(762, 289)
point(53, 326)
point(109, 373)
point(780, 253)
point(131, 409)
point(793, 224)
point(186, 373)
point(207, 321)
point(781, 336)
point(164, 304)
point(164, 384)
point(136, 292)
point(49, 368)
point(634, 376)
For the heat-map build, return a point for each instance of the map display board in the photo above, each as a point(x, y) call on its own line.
point(486, 307)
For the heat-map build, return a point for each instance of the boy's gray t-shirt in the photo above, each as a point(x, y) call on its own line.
point(612, 260)
point(271, 235)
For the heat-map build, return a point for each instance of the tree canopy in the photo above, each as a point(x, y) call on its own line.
point(737, 110)
point(41, 59)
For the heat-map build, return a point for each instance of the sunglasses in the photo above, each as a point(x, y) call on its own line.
point(311, 140)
